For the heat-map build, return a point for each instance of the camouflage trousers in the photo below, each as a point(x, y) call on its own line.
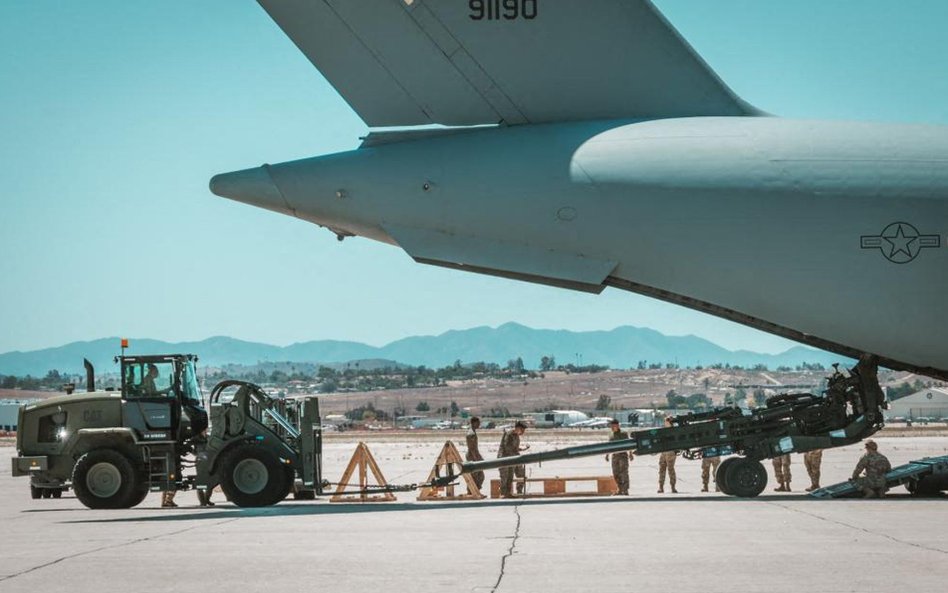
point(872, 490)
point(782, 468)
point(507, 475)
point(478, 479)
point(620, 471)
point(812, 460)
point(667, 464)
point(709, 467)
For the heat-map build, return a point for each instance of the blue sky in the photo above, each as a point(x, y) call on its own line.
point(115, 114)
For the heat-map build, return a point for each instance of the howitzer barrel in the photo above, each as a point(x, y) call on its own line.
point(567, 453)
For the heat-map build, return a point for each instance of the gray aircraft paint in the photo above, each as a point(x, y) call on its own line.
point(830, 233)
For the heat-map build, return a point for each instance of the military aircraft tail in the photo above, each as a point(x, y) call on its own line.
point(475, 62)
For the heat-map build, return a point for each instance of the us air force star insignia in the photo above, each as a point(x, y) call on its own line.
point(900, 242)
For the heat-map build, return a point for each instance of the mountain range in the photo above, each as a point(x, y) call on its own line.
point(620, 348)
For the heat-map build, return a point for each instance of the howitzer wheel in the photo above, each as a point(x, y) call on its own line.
point(254, 477)
point(746, 478)
point(720, 476)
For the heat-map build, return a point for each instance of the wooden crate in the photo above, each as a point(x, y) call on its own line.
point(557, 487)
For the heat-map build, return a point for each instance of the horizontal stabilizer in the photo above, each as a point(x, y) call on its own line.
point(509, 260)
point(471, 62)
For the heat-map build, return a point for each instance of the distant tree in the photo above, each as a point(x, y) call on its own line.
point(604, 402)
point(9, 382)
point(422, 407)
point(642, 365)
point(784, 369)
point(707, 384)
point(547, 363)
point(698, 401)
point(515, 365)
point(455, 409)
point(760, 367)
point(674, 400)
point(760, 398)
point(740, 394)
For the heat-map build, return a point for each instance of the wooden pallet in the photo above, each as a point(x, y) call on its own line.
point(556, 487)
point(363, 461)
point(449, 463)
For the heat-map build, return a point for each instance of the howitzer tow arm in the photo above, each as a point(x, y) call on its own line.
point(849, 410)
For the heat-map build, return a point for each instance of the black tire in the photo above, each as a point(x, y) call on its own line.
point(720, 476)
point(253, 477)
point(35, 492)
point(46, 492)
point(746, 478)
point(57, 492)
point(304, 495)
point(107, 479)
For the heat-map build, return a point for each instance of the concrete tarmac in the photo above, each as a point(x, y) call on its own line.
point(689, 542)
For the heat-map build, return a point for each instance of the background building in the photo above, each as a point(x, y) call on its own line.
point(929, 403)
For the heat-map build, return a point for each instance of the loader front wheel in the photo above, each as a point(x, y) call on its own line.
point(253, 477)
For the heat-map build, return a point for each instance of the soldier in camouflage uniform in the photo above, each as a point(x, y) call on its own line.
point(510, 446)
point(709, 468)
point(666, 463)
point(620, 460)
point(876, 466)
point(782, 472)
point(473, 453)
point(812, 461)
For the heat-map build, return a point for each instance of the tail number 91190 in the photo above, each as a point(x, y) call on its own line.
point(509, 10)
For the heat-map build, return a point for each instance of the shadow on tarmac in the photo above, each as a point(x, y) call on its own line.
point(293, 509)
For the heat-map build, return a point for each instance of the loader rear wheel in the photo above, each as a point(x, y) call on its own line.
point(254, 477)
point(106, 479)
point(746, 478)
point(720, 476)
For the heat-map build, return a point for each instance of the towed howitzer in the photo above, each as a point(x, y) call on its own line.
point(849, 410)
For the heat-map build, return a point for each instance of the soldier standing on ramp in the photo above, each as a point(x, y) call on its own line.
point(782, 472)
point(876, 466)
point(509, 447)
point(709, 467)
point(620, 460)
point(473, 453)
point(812, 461)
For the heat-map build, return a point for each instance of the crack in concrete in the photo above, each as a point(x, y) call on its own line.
point(108, 547)
point(863, 529)
point(510, 551)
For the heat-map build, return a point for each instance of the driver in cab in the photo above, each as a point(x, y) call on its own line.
point(148, 387)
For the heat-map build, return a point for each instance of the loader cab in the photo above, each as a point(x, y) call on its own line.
point(161, 400)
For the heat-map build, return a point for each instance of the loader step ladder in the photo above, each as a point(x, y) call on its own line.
point(159, 469)
point(910, 474)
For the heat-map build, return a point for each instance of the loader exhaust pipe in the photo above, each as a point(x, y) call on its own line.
point(90, 375)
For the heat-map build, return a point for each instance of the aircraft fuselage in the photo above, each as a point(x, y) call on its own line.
point(829, 233)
